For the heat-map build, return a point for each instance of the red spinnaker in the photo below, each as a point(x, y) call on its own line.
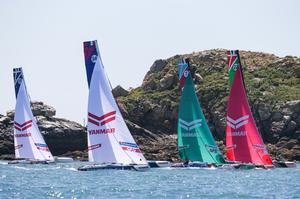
point(243, 141)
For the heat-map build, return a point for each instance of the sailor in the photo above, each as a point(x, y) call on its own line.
point(186, 163)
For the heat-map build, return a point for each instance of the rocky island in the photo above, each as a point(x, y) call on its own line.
point(273, 87)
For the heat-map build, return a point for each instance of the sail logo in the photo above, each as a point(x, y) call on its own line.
point(102, 120)
point(132, 147)
point(211, 148)
point(23, 135)
point(231, 147)
point(18, 146)
point(93, 147)
point(41, 146)
point(235, 124)
point(102, 131)
point(260, 148)
point(233, 60)
point(94, 58)
point(23, 126)
point(190, 125)
point(239, 133)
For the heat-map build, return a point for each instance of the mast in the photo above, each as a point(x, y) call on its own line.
point(195, 141)
point(243, 140)
point(109, 140)
point(29, 142)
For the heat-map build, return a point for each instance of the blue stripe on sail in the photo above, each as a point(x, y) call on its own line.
point(18, 78)
point(129, 144)
point(90, 56)
point(40, 145)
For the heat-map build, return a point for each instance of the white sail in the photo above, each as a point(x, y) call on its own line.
point(109, 140)
point(28, 140)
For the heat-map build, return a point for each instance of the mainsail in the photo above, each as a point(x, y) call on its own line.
point(243, 141)
point(195, 141)
point(109, 140)
point(29, 142)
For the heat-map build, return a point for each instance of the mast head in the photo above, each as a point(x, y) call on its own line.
point(183, 71)
point(233, 63)
point(18, 78)
point(91, 53)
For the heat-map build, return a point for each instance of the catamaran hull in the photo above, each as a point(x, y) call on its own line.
point(30, 162)
point(94, 167)
point(284, 164)
point(193, 165)
point(158, 164)
point(63, 159)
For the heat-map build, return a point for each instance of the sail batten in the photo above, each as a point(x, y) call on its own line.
point(109, 139)
point(195, 141)
point(243, 140)
point(29, 142)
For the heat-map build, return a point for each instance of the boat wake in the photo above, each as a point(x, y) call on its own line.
point(3, 163)
point(23, 168)
point(71, 169)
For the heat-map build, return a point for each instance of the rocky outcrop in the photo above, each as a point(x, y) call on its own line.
point(119, 91)
point(61, 135)
point(272, 84)
point(68, 138)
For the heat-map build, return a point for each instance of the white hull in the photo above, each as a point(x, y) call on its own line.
point(63, 159)
point(158, 164)
point(30, 162)
point(93, 167)
point(284, 164)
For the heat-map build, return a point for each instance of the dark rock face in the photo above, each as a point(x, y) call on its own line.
point(119, 91)
point(69, 138)
point(61, 135)
point(272, 84)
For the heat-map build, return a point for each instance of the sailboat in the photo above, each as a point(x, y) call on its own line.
point(30, 146)
point(110, 143)
point(244, 143)
point(196, 144)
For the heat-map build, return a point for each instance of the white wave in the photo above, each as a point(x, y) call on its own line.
point(71, 169)
point(3, 163)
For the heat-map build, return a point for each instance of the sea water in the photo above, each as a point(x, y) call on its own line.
point(64, 181)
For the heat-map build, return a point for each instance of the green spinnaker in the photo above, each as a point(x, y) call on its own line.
point(195, 141)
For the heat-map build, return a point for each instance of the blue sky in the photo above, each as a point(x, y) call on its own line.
point(45, 38)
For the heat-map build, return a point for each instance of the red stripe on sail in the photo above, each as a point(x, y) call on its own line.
point(101, 117)
point(26, 127)
point(242, 136)
point(93, 122)
point(95, 146)
point(125, 148)
point(108, 120)
point(42, 148)
point(18, 146)
point(17, 128)
point(24, 124)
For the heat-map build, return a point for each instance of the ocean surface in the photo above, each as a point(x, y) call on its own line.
point(64, 181)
